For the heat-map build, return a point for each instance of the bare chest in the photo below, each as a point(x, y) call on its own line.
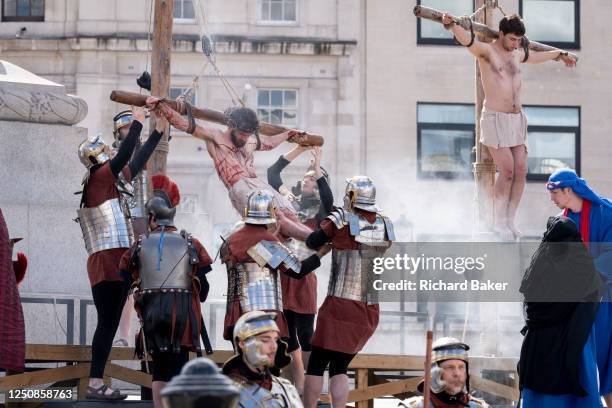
point(503, 67)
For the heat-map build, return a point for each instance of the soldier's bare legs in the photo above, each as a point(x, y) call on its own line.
point(312, 390)
point(339, 389)
point(125, 323)
point(157, 387)
point(519, 154)
point(297, 370)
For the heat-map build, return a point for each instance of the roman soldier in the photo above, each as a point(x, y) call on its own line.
point(105, 221)
point(313, 201)
point(255, 258)
point(450, 377)
point(169, 271)
point(256, 341)
point(358, 232)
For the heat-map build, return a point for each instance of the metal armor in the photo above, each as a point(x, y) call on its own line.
point(350, 277)
point(135, 192)
point(274, 254)
point(106, 226)
point(166, 261)
point(282, 395)
point(257, 287)
point(299, 248)
point(366, 233)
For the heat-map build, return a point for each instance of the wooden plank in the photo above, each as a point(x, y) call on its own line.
point(380, 362)
point(65, 353)
point(82, 387)
point(494, 388)
point(384, 362)
point(361, 383)
point(381, 390)
point(47, 376)
point(128, 375)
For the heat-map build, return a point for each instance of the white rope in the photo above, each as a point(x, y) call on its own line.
point(200, 16)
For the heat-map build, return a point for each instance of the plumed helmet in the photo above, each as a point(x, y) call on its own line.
point(166, 196)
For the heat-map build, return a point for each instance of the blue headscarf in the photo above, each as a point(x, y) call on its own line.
point(563, 178)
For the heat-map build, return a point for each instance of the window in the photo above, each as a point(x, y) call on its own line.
point(553, 140)
point(554, 22)
point(277, 106)
point(445, 140)
point(277, 11)
point(183, 10)
point(175, 92)
point(430, 32)
point(23, 10)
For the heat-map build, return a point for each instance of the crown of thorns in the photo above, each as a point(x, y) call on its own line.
point(243, 119)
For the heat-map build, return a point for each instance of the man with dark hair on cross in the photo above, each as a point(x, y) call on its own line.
point(503, 123)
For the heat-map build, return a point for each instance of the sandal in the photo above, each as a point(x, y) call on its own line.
point(120, 343)
point(100, 394)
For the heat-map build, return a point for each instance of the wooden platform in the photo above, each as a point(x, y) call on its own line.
point(368, 385)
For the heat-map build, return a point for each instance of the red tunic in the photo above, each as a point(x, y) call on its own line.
point(300, 295)
point(344, 325)
point(104, 265)
point(12, 331)
point(204, 261)
point(239, 243)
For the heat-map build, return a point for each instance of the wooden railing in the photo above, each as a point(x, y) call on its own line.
point(368, 385)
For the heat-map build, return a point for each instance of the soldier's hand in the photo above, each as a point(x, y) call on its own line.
point(138, 113)
point(324, 250)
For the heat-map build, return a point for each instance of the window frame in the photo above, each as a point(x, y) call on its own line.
point(261, 21)
point(436, 41)
point(447, 175)
point(184, 20)
point(575, 45)
point(30, 18)
point(556, 129)
point(282, 108)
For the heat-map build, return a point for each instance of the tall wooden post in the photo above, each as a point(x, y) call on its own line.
point(484, 176)
point(484, 168)
point(160, 75)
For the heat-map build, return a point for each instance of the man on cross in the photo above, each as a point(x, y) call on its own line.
point(232, 153)
point(503, 123)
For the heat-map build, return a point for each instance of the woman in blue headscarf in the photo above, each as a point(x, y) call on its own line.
point(592, 214)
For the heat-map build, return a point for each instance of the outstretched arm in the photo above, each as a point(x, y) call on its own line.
point(477, 48)
point(274, 171)
point(271, 142)
point(126, 149)
point(555, 55)
point(208, 134)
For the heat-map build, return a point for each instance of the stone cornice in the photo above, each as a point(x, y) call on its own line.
point(224, 44)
